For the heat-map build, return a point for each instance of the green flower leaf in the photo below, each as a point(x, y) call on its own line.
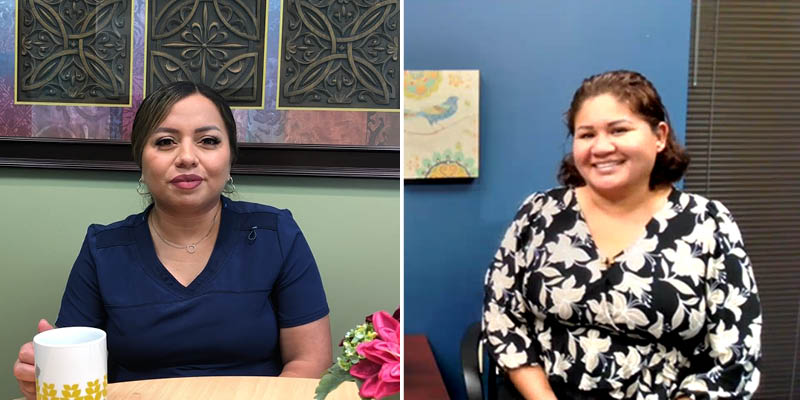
point(330, 381)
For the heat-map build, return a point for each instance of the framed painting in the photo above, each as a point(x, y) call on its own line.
point(72, 75)
point(441, 124)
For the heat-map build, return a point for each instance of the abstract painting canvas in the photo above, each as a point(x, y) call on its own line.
point(441, 124)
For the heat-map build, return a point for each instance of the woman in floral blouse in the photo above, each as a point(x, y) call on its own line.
point(619, 285)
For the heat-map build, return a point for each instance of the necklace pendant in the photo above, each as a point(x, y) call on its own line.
point(191, 248)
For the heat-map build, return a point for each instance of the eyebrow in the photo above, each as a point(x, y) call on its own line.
point(198, 130)
point(618, 121)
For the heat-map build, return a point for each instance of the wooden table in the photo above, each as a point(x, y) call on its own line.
point(422, 377)
point(227, 388)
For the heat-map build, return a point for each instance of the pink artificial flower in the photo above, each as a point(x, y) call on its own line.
point(380, 370)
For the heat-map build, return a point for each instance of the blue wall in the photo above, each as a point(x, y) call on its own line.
point(532, 56)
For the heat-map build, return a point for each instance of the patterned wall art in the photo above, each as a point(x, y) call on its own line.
point(441, 124)
point(74, 52)
point(216, 42)
point(232, 45)
point(340, 54)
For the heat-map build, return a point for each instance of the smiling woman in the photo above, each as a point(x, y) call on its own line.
point(197, 284)
point(618, 284)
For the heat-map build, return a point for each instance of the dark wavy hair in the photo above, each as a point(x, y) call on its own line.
point(158, 104)
point(633, 89)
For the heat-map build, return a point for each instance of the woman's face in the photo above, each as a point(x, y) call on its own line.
point(187, 158)
point(613, 147)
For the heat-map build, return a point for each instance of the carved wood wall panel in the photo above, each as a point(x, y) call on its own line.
point(340, 54)
point(58, 133)
point(216, 42)
point(74, 52)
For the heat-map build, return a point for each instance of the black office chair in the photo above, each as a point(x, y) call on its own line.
point(498, 387)
point(470, 349)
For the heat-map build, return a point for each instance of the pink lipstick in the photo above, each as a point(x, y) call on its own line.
point(187, 181)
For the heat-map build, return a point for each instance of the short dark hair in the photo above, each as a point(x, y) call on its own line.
point(158, 104)
point(633, 89)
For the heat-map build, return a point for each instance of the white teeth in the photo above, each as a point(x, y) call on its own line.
point(609, 164)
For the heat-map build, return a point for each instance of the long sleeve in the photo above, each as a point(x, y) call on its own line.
point(507, 321)
point(725, 364)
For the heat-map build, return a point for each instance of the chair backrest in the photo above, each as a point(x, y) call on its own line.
point(498, 387)
point(471, 360)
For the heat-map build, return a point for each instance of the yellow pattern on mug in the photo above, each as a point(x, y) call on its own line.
point(95, 390)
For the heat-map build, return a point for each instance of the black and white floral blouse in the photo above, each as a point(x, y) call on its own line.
point(676, 314)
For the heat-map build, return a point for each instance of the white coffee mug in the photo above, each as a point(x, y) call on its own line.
point(71, 363)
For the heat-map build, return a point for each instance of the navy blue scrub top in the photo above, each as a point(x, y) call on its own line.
point(261, 277)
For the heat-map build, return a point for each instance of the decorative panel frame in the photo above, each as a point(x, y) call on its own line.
point(254, 159)
point(339, 55)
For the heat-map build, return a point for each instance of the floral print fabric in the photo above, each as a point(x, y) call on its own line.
point(676, 314)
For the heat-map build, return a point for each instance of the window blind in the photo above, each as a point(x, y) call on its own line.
point(743, 134)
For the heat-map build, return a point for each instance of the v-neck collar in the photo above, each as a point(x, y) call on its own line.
point(153, 266)
point(672, 199)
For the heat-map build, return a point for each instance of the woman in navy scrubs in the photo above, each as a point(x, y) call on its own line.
point(197, 284)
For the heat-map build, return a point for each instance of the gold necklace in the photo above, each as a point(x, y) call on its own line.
point(190, 248)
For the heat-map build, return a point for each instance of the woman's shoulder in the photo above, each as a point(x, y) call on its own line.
point(256, 214)
point(246, 207)
point(700, 205)
point(116, 233)
point(560, 195)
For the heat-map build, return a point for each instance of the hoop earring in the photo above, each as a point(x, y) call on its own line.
point(141, 188)
point(229, 186)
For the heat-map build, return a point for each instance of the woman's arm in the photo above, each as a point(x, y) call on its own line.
point(732, 346)
point(80, 305)
point(532, 383)
point(299, 297)
point(508, 323)
point(306, 349)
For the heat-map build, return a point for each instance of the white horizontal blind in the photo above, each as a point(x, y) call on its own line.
point(743, 133)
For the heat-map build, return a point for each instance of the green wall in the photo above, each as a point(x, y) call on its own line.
point(352, 225)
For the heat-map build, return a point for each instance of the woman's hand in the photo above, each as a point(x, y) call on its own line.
point(306, 349)
point(24, 369)
point(531, 382)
